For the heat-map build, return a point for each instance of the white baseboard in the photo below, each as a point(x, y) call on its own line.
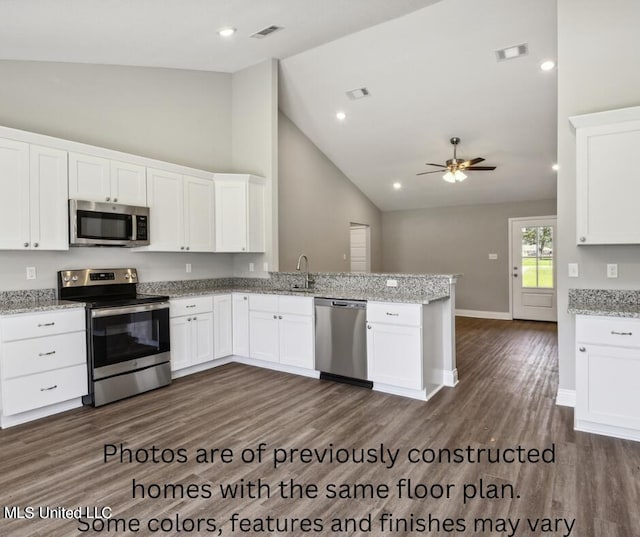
point(450, 378)
point(607, 430)
point(566, 398)
point(477, 314)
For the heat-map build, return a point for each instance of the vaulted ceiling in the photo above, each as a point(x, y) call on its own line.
point(429, 65)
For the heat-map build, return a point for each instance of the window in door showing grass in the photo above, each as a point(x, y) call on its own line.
point(537, 257)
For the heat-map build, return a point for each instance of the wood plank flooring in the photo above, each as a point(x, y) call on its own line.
point(508, 372)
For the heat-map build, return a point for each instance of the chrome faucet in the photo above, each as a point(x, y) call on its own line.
point(307, 280)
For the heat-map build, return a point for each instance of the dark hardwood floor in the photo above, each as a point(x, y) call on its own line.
point(505, 398)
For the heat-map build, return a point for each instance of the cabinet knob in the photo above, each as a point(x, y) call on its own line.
point(583, 239)
point(35, 244)
point(181, 247)
point(188, 319)
point(279, 316)
point(243, 248)
point(187, 248)
point(244, 298)
point(582, 349)
point(368, 327)
point(275, 316)
point(195, 318)
point(108, 198)
point(26, 245)
point(115, 199)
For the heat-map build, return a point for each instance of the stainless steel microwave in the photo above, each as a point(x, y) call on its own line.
point(107, 224)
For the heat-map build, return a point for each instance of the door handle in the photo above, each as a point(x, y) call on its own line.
point(515, 274)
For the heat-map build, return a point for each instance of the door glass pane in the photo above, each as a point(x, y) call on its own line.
point(537, 257)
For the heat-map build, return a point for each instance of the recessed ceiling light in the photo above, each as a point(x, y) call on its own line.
point(397, 185)
point(555, 167)
point(227, 31)
point(547, 65)
point(341, 116)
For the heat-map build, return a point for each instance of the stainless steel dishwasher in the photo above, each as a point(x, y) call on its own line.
point(341, 340)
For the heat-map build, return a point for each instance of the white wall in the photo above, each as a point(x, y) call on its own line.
point(168, 114)
point(254, 130)
point(598, 69)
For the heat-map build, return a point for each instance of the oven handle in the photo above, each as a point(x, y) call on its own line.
point(108, 312)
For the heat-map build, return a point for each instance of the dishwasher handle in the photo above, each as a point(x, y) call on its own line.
point(340, 303)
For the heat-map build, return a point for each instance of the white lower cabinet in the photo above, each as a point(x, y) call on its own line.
point(281, 330)
point(43, 364)
point(191, 332)
point(222, 326)
point(240, 309)
point(394, 344)
point(608, 376)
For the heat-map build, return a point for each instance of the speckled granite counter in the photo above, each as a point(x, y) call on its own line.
point(32, 301)
point(416, 289)
point(604, 302)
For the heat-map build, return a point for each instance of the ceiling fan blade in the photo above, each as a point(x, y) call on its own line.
point(439, 165)
point(425, 173)
point(480, 168)
point(471, 162)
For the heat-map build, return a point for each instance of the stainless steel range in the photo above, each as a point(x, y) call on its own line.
point(128, 344)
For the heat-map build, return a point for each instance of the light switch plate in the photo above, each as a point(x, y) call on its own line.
point(31, 273)
point(392, 283)
point(573, 270)
point(265, 266)
point(188, 267)
point(493, 257)
point(252, 267)
point(612, 270)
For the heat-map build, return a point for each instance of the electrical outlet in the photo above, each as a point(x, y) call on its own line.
point(573, 271)
point(188, 267)
point(392, 283)
point(31, 273)
point(344, 257)
point(252, 267)
point(493, 257)
point(265, 266)
point(612, 270)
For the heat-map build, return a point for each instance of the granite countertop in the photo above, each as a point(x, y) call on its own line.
point(373, 296)
point(604, 302)
point(36, 305)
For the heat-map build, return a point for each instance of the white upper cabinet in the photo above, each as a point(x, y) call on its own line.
point(607, 193)
point(240, 213)
point(33, 197)
point(99, 179)
point(181, 212)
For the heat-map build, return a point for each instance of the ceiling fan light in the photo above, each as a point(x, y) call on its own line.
point(459, 176)
point(449, 177)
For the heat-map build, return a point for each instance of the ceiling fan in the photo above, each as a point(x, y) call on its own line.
point(455, 166)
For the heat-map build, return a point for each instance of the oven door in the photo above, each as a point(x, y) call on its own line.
point(128, 338)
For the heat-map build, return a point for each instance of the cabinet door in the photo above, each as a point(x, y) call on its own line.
point(394, 355)
point(607, 386)
point(222, 331)
point(49, 209)
point(180, 331)
point(202, 344)
point(607, 208)
point(89, 178)
point(263, 336)
point(128, 183)
point(166, 214)
point(296, 340)
point(199, 206)
point(241, 324)
point(14, 195)
point(231, 215)
point(256, 217)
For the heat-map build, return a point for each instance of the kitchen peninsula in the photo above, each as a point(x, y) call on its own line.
point(269, 322)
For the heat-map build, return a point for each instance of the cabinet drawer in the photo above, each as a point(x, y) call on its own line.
point(36, 355)
point(263, 303)
point(608, 331)
point(42, 324)
point(296, 305)
point(187, 306)
point(393, 313)
point(43, 389)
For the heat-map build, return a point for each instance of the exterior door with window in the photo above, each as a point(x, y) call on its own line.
point(533, 268)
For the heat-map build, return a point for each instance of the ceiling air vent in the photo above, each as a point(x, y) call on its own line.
point(510, 53)
point(358, 93)
point(266, 31)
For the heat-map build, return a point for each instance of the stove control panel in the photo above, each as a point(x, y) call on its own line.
point(89, 277)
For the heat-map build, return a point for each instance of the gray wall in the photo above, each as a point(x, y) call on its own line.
point(598, 60)
point(173, 115)
point(317, 203)
point(458, 240)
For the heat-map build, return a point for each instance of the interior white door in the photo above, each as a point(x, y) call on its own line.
point(533, 268)
point(360, 239)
